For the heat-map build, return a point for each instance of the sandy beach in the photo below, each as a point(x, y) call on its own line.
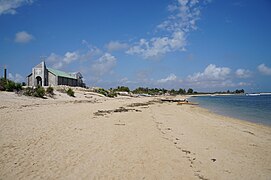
point(94, 137)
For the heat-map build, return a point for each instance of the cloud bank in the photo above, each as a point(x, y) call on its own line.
point(10, 6)
point(263, 69)
point(182, 20)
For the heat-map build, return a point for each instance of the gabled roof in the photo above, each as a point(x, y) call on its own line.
point(60, 73)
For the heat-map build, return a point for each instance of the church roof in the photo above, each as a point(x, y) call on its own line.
point(60, 73)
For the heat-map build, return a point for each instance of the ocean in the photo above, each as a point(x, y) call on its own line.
point(255, 109)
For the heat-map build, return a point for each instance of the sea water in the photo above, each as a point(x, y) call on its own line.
point(255, 109)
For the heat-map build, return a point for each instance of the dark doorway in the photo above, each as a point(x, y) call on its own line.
point(39, 80)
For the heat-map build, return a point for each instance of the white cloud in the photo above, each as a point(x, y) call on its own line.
point(158, 46)
point(262, 68)
point(58, 61)
point(103, 65)
point(185, 14)
point(55, 60)
point(23, 37)
point(92, 50)
point(16, 78)
point(116, 46)
point(183, 18)
point(211, 72)
point(242, 73)
point(170, 78)
point(244, 84)
point(10, 6)
point(70, 56)
point(125, 81)
point(211, 77)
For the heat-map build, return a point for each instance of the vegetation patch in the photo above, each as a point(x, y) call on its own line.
point(36, 92)
point(50, 91)
point(70, 92)
point(8, 85)
point(120, 109)
point(108, 93)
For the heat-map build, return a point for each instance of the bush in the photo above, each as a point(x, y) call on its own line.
point(28, 91)
point(18, 87)
point(2, 88)
point(122, 88)
point(102, 91)
point(190, 91)
point(3, 82)
point(112, 94)
point(50, 91)
point(10, 85)
point(39, 92)
point(70, 92)
point(36, 92)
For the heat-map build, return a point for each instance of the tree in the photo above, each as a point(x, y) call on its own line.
point(122, 88)
point(190, 91)
point(181, 91)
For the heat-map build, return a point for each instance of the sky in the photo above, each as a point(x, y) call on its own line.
point(207, 45)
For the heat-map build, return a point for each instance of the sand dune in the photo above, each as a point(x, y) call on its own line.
point(126, 138)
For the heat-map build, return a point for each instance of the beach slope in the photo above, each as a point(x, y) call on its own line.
point(126, 138)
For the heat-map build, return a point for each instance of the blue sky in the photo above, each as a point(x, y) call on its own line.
point(208, 45)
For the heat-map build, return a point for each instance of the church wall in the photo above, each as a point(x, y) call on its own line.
point(52, 79)
point(30, 80)
point(67, 81)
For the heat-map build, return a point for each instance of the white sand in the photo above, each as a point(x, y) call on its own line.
point(63, 139)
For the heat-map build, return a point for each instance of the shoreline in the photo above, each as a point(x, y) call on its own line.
point(229, 114)
point(126, 138)
point(231, 118)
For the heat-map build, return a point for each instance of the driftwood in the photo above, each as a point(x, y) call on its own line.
point(186, 102)
point(173, 100)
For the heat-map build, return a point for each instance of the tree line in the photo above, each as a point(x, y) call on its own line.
point(160, 91)
point(153, 91)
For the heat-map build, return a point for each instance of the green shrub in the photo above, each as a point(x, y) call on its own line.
point(3, 82)
point(70, 92)
point(28, 91)
point(10, 86)
point(2, 88)
point(18, 87)
point(102, 91)
point(112, 94)
point(50, 91)
point(39, 92)
point(122, 88)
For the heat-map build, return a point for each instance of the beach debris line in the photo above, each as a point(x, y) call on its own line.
point(188, 103)
point(144, 104)
point(179, 101)
point(173, 100)
point(119, 110)
point(120, 124)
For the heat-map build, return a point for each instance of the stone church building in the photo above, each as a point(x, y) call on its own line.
point(43, 76)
